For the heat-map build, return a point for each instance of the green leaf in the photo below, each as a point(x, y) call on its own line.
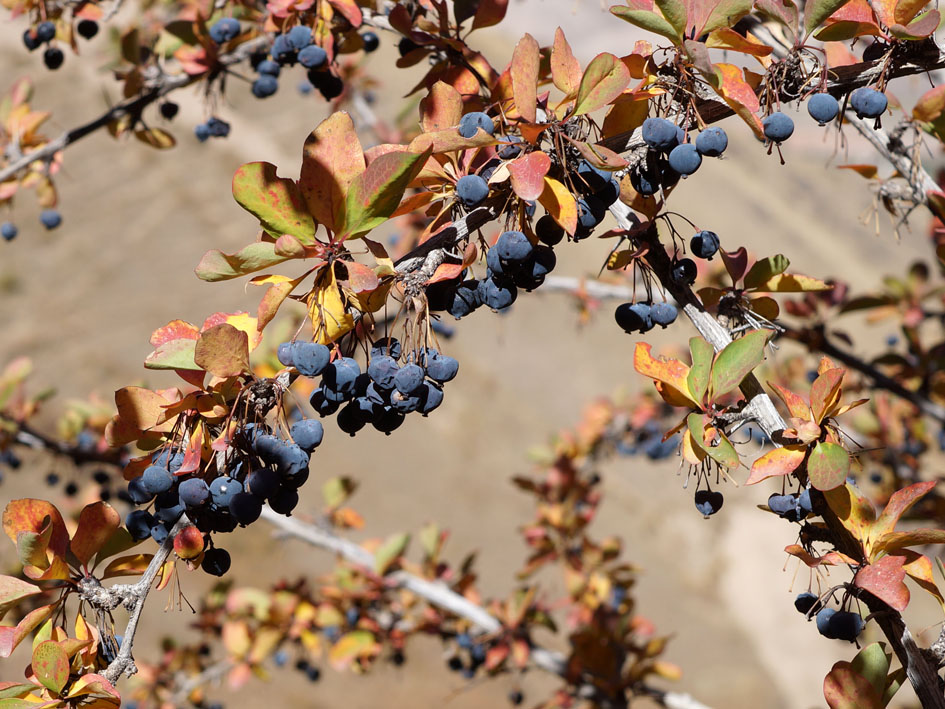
point(12, 691)
point(604, 80)
point(648, 20)
point(390, 551)
point(893, 683)
point(376, 193)
point(765, 269)
point(725, 14)
point(276, 201)
point(676, 14)
point(173, 354)
point(218, 266)
point(828, 466)
point(736, 361)
point(336, 490)
point(14, 590)
point(816, 11)
point(698, 377)
point(872, 663)
point(51, 666)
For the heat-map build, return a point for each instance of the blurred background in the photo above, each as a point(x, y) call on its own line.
point(82, 302)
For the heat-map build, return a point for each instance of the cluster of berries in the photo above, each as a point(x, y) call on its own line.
point(833, 624)
point(793, 507)
point(670, 156)
point(213, 128)
point(824, 108)
point(45, 33)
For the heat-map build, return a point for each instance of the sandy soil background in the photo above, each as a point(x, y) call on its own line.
point(82, 301)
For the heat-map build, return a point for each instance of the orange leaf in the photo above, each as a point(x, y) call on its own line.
point(884, 579)
point(331, 158)
point(97, 522)
point(524, 71)
point(780, 461)
point(528, 174)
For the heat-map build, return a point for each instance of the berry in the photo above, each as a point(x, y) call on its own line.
point(222, 490)
point(868, 103)
point(685, 159)
point(340, 375)
point(632, 317)
point(387, 346)
point(218, 128)
point(684, 272)
point(8, 230)
point(299, 37)
point(548, 230)
point(824, 616)
point(30, 40)
point(591, 178)
point(497, 295)
point(313, 673)
point(804, 503)
point(322, 404)
point(52, 479)
point(441, 368)
point(704, 244)
point(267, 66)
point(265, 86)
point(71, 489)
point(53, 58)
point(371, 41)
point(138, 492)
point(382, 371)
point(388, 420)
point(516, 697)
point(431, 398)
point(472, 122)
point(660, 134)
point(157, 480)
point(313, 57)
point(783, 505)
point(845, 625)
point(804, 602)
point(224, 29)
point(167, 506)
point(471, 190)
point(307, 434)
point(245, 508)
point(50, 218)
point(823, 108)
point(643, 181)
point(350, 419)
point(193, 492)
point(330, 86)
point(202, 132)
point(778, 127)
point(310, 358)
point(280, 658)
point(139, 523)
point(46, 31)
point(408, 378)
point(708, 502)
point(282, 51)
point(216, 561)
point(87, 28)
point(513, 246)
point(284, 500)
point(168, 110)
point(610, 193)
point(663, 314)
point(189, 542)
point(466, 299)
point(304, 87)
point(511, 149)
point(285, 353)
point(263, 482)
point(159, 533)
point(591, 212)
point(712, 142)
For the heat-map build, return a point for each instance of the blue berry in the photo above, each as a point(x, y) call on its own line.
point(471, 190)
point(388, 420)
point(267, 66)
point(138, 492)
point(370, 41)
point(591, 178)
point(496, 295)
point(541, 262)
point(804, 602)
point(30, 40)
point(513, 247)
point(712, 142)
point(432, 397)
point(87, 28)
point(704, 244)
point(663, 314)
point(202, 132)
point(313, 57)
point(548, 230)
point(845, 625)
point(265, 86)
point(684, 272)
point(159, 533)
point(685, 159)
point(53, 58)
point(222, 490)
point(322, 404)
point(304, 87)
point(804, 503)
point(465, 299)
point(307, 434)
point(471, 122)
point(387, 346)
point(408, 378)
point(284, 500)
point(382, 371)
point(634, 317)
point(299, 37)
point(512, 148)
point(225, 29)
point(783, 505)
point(310, 358)
point(778, 127)
point(441, 368)
point(824, 616)
point(868, 103)
point(708, 502)
point(46, 31)
point(245, 508)
point(823, 108)
point(193, 492)
point(591, 212)
point(8, 230)
point(282, 50)
point(643, 181)
point(340, 375)
point(660, 134)
point(139, 523)
point(262, 482)
point(216, 561)
point(156, 479)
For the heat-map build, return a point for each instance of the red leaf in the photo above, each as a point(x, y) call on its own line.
point(778, 462)
point(97, 522)
point(524, 71)
point(899, 503)
point(845, 688)
point(174, 330)
point(565, 69)
point(528, 175)
point(884, 579)
point(489, 13)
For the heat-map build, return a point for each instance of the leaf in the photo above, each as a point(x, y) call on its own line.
point(872, 663)
point(825, 393)
point(351, 646)
point(725, 13)
point(783, 11)
point(337, 490)
point(528, 174)
point(726, 38)
point(376, 193)
point(30, 515)
point(565, 68)
point(640, 13)
point(792, 283)
point(672, 373)
point(896, 541)
point(97, 522)
point(884, 579)
point(156, 138)
point(13, 590)
point(676, 13)
point(331, 160)
point(51, 666)
point(223, 350)
point(11, 690)
point(11, 637)
point(349, 10)
point(328, 309)
point(524, 69)
point(390, 551)
point(489, 13)
point(846, 689)
point(817, 11)
point(604, 80)
point(736, 361)
point(900, 502)
point(776, 463)
point(698, 377)
point(919, 568)
point(853, 510)
point(739, 96)
point(94, 684)
point(218, 266)
point(276, 201)
point(131, 565)
point(560, 204)
point(765, 269)
point(828, 466)
point(174, 354)
point(441, 108)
